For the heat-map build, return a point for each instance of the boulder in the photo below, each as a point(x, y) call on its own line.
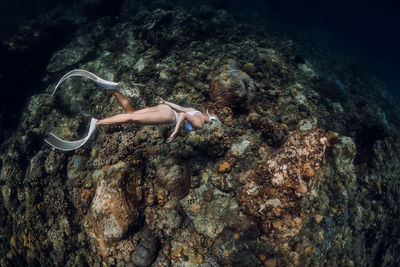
point(114, 207)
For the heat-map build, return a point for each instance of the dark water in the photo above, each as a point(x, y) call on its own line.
point(363, 31)
point(366, 31)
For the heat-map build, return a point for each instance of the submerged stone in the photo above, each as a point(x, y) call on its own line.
point(271, 193)
point(114, 208)
point(145, 253)
point(209, 217)
point(76, 166)
point(174, 177)
point(231, 87)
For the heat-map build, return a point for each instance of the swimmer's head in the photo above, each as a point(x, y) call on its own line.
point(210, 111)
point(213, 118)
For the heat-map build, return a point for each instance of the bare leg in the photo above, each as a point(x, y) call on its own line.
point(152, 109)
point(126, 104)
point(148, 118)
point(123, 101)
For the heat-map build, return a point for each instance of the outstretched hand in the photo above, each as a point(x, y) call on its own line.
point(159, 100)
point(172, 137)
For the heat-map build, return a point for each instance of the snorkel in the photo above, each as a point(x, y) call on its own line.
point(213, 118)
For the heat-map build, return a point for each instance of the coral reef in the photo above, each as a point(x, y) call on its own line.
point(300, 170)
point(274, 191)
point(164, 220)
point(231, 87)
point(174, 177)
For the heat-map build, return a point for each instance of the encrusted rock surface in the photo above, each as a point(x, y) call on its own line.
point(145, 253)
point(231, 87)
point(165, 220)
point(114, 207)
point(274, 189)
point(174, 177)
point(209, 217)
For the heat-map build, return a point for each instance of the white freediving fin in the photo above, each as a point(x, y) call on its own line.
point(64, 145)
point(84, 73)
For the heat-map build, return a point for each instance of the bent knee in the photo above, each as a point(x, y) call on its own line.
point(131, 117)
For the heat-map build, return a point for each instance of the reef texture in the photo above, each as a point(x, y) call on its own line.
point(301, 169)
point(231, 87)
point(113, 208)
point(273, 191)
point(174, 177)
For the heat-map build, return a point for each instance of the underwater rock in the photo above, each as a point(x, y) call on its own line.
point(164, 220)
point(237, 249)
point(274, 134)
point(209, 217)
point(53, 162)
point(240, 147)
point(308, 124)
point(231, 87)
point(75, 166)
point(273, 191)
point(85, 200)
point(189, 248)
point(225, 115)
point(210, 136)
point(249, 68)
point(344, 151)
point(288, 49)
point(114, 207)
point(274, 68)
point(224, 182)
point(333, 89)
point(224, 167)
point(69, 56)
point(146, 251)
point(36, 170)
point(164, 29)
point(173, 177)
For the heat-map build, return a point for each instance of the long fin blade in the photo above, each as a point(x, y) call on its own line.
point(84, 73)
point(64, 145)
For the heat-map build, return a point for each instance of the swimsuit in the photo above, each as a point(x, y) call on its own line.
point(176, 119)
point(188, 125)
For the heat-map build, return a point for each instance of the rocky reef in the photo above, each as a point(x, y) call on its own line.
point(300, 170)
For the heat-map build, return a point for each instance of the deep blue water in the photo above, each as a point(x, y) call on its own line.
point(364, 31)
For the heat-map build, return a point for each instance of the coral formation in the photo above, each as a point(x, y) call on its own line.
point(231, 87)
point(164, 220)
point(274, 189)
point(174, 177)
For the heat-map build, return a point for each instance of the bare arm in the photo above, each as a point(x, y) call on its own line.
point(181, 119)
point(172, 105)
point(196, 122)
